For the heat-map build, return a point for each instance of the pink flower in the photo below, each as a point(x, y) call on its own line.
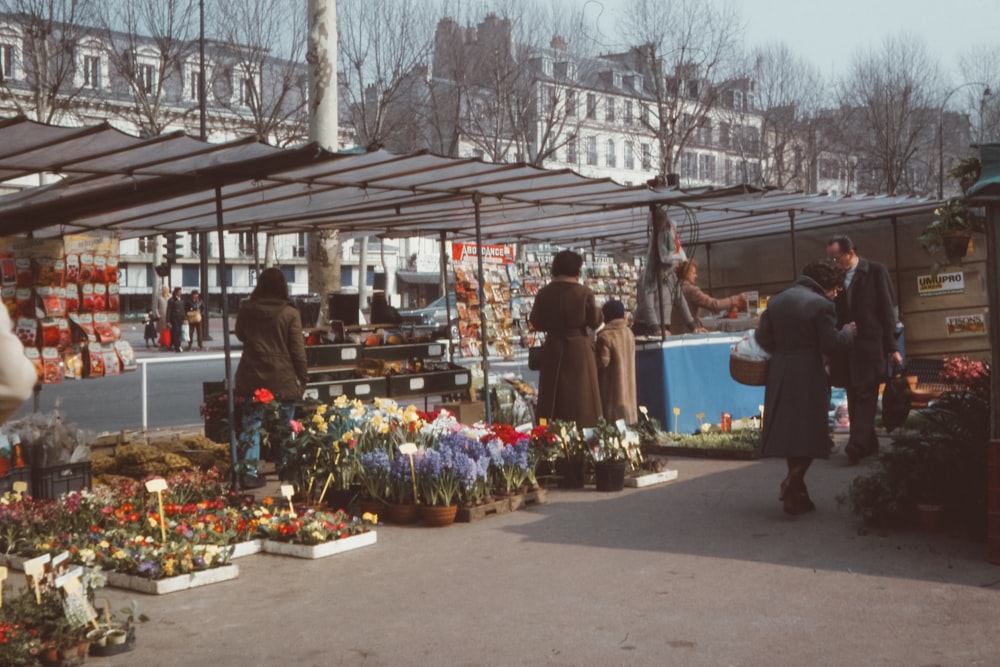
point(296, 426)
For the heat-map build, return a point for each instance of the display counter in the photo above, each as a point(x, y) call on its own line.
point(691, 372)
point(742, 322)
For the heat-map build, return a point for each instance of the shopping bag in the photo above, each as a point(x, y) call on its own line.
point(165, 338)
point(535, 358)
point(896, 400)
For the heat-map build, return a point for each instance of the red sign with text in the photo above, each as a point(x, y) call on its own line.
point(500, 254)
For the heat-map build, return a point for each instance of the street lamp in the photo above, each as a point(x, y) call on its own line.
point(982, 103)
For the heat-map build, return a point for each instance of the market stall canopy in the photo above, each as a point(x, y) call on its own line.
point(988, 185)
point(140, 187)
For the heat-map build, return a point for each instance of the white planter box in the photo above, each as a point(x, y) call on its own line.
point(181, 582)
point(320, 550)
point(651, 478)
point(248, 548)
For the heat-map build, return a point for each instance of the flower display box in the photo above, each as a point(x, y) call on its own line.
point(181, 582)
point(439, 382)
point(54, 481)
point(349, 386)
point(22, 474)
point(247, 548)
point(322, 550)
point(649, 479)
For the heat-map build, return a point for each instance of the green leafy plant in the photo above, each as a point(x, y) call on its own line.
point(952, 216)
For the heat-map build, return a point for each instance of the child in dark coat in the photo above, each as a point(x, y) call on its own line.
point(149, 333)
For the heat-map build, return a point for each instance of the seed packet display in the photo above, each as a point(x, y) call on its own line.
point(86, 322)
point(114, 300)
point(50, 332)
point(103, 329)
point(52, 366)
point(49, 272)
point(86, 268)
point(100, 269)
point(65, 333)
point(73, 363)
point(72, 298)
point(52, 305)
point(72, 269)
point(87, 298)
point(35, 357)
point(9, 296)
point(25, 302)
point(110, 358)
point(8, 270)
point(95, 360)
point(100, 297)
point(112, 270)
point(126, 355)
point(25, 276)
point(26, 331)
point(115, 322)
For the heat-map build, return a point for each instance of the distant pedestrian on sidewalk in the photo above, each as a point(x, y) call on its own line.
point(149, 332)
point(175, 319)
point(195, 315)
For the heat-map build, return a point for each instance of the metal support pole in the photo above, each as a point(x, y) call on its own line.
point(447, 299)
point(477, 199)
point(145, 398)
point(230, 400)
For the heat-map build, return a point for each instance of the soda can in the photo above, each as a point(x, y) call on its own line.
point(726, 423)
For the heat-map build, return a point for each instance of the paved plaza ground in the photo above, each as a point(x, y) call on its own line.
point(706, 570)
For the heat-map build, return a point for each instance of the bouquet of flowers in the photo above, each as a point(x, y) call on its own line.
point(319, 453)
point(608, 442)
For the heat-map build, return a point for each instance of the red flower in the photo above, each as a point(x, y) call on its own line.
point(263, 396)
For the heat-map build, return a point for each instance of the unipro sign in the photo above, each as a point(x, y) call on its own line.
point(942, 283)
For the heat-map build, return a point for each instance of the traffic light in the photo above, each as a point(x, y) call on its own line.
point(172, 247)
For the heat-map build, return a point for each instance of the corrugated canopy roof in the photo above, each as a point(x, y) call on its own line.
point(139, 187)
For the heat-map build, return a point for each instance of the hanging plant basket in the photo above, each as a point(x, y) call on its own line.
point(955, 243)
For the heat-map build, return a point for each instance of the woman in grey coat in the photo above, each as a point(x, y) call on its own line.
point(798, 328)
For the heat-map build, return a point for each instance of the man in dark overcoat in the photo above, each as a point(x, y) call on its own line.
point(867, 301)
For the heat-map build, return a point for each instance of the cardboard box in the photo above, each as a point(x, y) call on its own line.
point(466, 412)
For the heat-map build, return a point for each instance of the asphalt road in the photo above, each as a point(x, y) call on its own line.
point(173, 387)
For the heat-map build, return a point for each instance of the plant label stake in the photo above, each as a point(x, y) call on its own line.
point(677, 418)
point(701, 419)
point(78, 610)
point(3, 577)
point(34, 570)
point(158, 486)
point(761, 408)
point(19, 488)
point(287, 490)
point(409, 448)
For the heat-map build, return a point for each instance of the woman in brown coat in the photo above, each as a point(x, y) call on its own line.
point(615, 349)
point(682, 323)
point(274, 358)
point(567, 312)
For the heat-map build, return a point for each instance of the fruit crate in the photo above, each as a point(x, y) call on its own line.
point(54, 481)
point(321, 356)
point(405, 351)
point(331, 385)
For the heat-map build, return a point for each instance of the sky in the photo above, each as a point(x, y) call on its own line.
point(828, 33)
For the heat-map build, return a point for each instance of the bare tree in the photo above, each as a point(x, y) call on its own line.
point(259, 68)
point(688, 50)
point(148, 44)
point(46, 85)
point(787, 92)
point(384, 47)
point(892, 93)
point(980, 66)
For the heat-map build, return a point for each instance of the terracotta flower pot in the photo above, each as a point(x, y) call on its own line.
point(955, 243)
point(438, 515)
point(403, 514)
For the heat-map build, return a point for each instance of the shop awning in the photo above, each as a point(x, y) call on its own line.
point(420, 277)
point(140, 187)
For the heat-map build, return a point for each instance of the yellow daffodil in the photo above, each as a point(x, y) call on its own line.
point(370, 518)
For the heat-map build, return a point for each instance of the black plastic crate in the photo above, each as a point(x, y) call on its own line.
point(405, 351)
point(364, 388)
point(15, 475)
point(332, 355)
point(54, 481)
point(454, 380)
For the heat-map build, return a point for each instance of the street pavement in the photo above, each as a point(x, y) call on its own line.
point(706, 570)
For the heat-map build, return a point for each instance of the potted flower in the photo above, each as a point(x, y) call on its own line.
point(611, 449)
point(439, 475)
point(952, 228)
point(966, 172)
point(572, 459)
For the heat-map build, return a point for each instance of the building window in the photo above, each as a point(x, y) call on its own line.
point(147, 78)
point(647, 157)
point(247, 243)
point(553, 97)
point(571, 156)
point(609, 109)
point(478, 153)
point(628, 112)
point(6, 62)
point(610, 154)
point(629, 158)
point(190, 275)
point(300, 247)
point(706, 167)
point(91, 72)
point(570, 102)
point(723, 135)
point(591, 105)
point(644, 114)
point(689, 165)
point(705, 132)
point(194, 242)
point(248, 92)
point(147, 245)
point(592, 150)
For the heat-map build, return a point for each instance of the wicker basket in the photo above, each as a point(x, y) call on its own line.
point(748, 371)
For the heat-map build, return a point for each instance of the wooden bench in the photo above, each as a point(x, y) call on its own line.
point(925, 380)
